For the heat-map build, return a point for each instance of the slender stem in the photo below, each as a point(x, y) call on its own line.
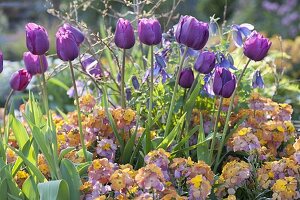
point(148, 136)
point(123, 102)
point(4, 115)
point(169, 120)
point(181, 113)
point(78, 112)
point(212, 145)
point(228, 117)
point(44, 88)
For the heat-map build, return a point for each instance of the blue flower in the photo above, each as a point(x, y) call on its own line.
point(225, 62)
point(257, 80)
point(239, 32)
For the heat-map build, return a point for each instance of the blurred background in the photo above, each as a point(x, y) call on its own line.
point(277, 19)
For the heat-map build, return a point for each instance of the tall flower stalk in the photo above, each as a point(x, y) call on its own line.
point(170, 113)
point(228, 117)
point(123, 98)
point(44, 88)
point(78, 112)
point(4, 115)
point(213, 142)
point(148, 135)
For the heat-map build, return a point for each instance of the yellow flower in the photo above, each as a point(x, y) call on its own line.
point(106, 146)
point(289, 126)
point(280, 128)
point(22, 175)
point(129, 115)
point(244, 131)
point(196, 181)
point(96, 164)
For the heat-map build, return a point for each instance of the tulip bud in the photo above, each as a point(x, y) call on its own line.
point(1, 61)
point(91, 66)
point(37, 40)
point(149, 31)
point(78, 35)
point(191, 32)
point(66, 46)
point(128, 94)
point(124, 34)
point(256, 46)
point(19, 80)
point(257, 80)
point(224, 82)
point(205, 62)
point(186, 78)
point(33, 65)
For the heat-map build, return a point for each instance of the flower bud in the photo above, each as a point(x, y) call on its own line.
point(91, 66)
point(1, 61)
point(224, 82)
point(135, 82)
point(124, 34)
point(191, 32)
point(149, 31)
point(19, 80)
point(186, 78)
point(256, 46)
point(78, 35)
point(205, 62)
point(66, 46)
point(33, 65)
point(37, 40)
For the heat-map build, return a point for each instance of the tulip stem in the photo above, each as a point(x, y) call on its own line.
point(212, 145)
point(148, 136)
point(4, 116)
point(169, 120)
point(123, 102)
point(78, 113)
point(228, 116)
point(44, 88)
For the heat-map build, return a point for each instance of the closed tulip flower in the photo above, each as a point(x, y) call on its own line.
point(149, 31)
point(186, 78)
point(224, 82)
point(78, 35)
point(66, 46)
point(191, 32)
point(91, 66)
point(37, 40)
point(1, 61)
point(256, 46)
point(33, 65)
point(124, 34)
point(205, 62)
point(19, 80)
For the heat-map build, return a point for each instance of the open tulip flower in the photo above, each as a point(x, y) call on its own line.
point(37, 40)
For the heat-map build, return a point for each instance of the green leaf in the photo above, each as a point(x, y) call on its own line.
point(202, 150)
point(125, 157)
point(54, 190)
point(70, 174)
point(30, 189)
point(186, 138)
point(59, 83)
point(3, 189)
point(65, 152)
point(111, 120)
point(34, 169)
point(19, 131)
point(171, 136)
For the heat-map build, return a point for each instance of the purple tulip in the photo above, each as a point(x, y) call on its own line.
point(186, 78)
point(37, 40)
point(32, 63)
point(191, 32)
point(66, 46)
point(1, 61)
point(224, 82)
point(78, 35)
point(149, 31)
point(256, 46)
point(124, 34)
point(19, 80)
point(205, 62)
point(257, 80)
point(91, 66)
